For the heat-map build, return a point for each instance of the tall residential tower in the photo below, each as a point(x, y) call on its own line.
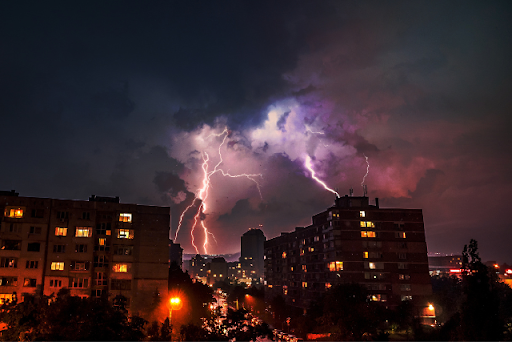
point(352, 242)
point(90, 247)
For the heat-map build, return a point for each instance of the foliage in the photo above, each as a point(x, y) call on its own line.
point(68, 317)
point(483, 306)
point(195, 293)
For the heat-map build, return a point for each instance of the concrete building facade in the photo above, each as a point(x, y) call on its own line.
point(352, 242)
point(90, 247)
point(252, 254)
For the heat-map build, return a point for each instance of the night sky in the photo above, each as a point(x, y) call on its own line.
point(121, 98)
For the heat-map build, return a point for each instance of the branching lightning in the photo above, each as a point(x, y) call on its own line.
point(310, 131)
point(367, 169)
point(202, 194)
point(309, 166)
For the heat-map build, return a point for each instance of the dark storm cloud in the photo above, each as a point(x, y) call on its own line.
point(113, 98)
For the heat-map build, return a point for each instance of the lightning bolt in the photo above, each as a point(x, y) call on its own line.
point(367, 169)
point(310, 131)
point(309, 166)
point(203, 193)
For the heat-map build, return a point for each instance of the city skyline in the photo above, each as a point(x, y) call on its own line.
point(158, 103)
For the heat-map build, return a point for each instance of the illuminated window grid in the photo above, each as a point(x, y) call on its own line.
point(368, 233)
point(367, 224)
point(57, 266)
point(120, 268)
point(125, 233)
point(60, 231)
point(336, 266)
point(125, 217)
point(13, 212)
point(83, 232)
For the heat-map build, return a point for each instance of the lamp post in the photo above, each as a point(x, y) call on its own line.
point(175, 304)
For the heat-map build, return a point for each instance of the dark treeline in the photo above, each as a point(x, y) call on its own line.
point(474, 307)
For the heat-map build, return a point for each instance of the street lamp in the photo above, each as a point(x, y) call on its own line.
point(175, 304)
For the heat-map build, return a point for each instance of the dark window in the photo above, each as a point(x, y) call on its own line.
point(120, 284)
point(14, 228)
point(86, 216)
point(97, 293)
point(35, 230)
point(80, 282)
point(8, 281)
point(104, 228)
point(100, 261)
point(31, 264)
point(59, 248)
point(79, 266)
point(123, 250)
point(81, 248)
point(12, 245)
point(55, 283)
point(29, 282)
point(37, 213)
point(34, 247)
point(62, 215)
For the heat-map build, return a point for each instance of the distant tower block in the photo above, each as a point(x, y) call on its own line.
point(365, 190)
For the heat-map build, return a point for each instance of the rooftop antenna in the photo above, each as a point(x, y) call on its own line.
point(365, 190)
point(351, 192)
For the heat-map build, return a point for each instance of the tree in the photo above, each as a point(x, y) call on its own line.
point(480, 314)
point(67, 317)
point(348, 314)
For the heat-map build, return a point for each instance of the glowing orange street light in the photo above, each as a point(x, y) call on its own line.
point(175, 304)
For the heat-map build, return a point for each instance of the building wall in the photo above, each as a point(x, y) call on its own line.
point(252, 253)
point(381, 249)
point(84, 246)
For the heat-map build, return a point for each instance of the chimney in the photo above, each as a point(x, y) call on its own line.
point(377, 202)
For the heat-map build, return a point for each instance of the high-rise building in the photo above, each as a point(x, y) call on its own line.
point(90, 247)
point(352, 242)
point(175, 254)
point(252, 254)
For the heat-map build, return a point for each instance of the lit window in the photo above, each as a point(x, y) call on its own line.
point(304, 268)
point(125, 217)
point(285, 290)
point(368, 233)
point(284, 255)
point(29, 282)
point(125, 233)
point(122, 268)
point(13, 212)
point(372, 266)
point(83, 232)
point(404, 298)
point(57, 266)
point(311, 249)
point(362, 213)
point(365, 255)
point(102, 241)
point(336, 266)
point(304, 284)
point(400, 235)
point(5, 297)
point(367, 224)
point(328, 285)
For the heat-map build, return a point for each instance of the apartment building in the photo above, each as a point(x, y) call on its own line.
point(90, 247)
point(352, 242)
